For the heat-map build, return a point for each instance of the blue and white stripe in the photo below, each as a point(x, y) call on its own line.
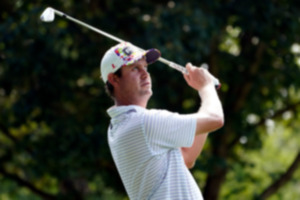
point(145, 145)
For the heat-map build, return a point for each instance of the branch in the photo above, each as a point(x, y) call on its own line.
point(14, 177)
point(247, 85)
point(6, 132)
point(278, 113)
point(27, 184)
point(282, 180)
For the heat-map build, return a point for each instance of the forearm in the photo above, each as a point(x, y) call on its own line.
point(202, 81)
point(190, 154)
point(210, 102)
point(210, 116)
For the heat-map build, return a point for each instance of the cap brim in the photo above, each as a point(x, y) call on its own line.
point(152, 55)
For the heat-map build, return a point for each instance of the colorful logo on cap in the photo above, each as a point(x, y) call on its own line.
point(127, 54)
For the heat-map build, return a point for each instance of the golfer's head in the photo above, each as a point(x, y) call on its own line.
point(122, 55)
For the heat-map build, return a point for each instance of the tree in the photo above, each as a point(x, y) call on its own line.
point(53, 117)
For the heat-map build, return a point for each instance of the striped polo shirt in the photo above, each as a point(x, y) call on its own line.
point(145, 145)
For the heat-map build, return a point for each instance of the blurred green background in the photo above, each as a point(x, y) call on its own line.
point(53, 119)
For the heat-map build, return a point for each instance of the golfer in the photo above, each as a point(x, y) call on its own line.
point(154, 149)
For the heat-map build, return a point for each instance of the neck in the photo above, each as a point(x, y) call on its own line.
point(142, 104)
point(124, 99)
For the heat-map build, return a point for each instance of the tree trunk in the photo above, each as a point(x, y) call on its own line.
point(217, 175)
point(213, 184)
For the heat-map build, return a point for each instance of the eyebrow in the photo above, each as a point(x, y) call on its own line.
point(136, 64)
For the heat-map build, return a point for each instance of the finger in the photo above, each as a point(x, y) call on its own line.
point(189, 66)
point(186, 76)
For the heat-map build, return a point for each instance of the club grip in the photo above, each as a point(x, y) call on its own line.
point(216, 81)
point(184, 70)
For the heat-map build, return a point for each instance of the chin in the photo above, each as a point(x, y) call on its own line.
point(147, 94)
point(150, 92)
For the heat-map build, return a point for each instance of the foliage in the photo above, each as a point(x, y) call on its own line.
point(53, 119)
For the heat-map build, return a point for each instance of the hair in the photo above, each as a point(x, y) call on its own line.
point(109, 88)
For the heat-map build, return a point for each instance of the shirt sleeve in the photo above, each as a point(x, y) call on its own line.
point(166, 130)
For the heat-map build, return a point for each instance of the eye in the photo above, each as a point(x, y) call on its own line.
point(140, 67)
point(135, 68)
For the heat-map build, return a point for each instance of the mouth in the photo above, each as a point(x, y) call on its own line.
point(145, 84)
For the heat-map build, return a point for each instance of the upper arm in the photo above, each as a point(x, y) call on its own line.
point(165, 130)
point(190, 154)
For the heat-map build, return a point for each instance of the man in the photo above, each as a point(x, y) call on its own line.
point(153, 149)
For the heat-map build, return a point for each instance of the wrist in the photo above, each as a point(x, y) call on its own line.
point(206, 89)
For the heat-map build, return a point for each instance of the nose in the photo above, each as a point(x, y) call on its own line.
point(144, 73)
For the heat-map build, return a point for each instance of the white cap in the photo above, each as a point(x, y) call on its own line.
point(124, 54)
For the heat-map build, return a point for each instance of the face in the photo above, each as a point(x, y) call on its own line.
point(134, 86)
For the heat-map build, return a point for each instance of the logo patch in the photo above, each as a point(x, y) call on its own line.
point(128, 54)
point(127, 51)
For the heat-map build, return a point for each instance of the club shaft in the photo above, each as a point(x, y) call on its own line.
point(161, 59)
point(87, 26)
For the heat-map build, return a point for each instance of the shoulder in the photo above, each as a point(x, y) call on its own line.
point(160, 112)
point(117, 111)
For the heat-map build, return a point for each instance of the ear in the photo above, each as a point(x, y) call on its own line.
point(113, 79)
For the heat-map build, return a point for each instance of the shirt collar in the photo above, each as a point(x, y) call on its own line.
point(118, 110)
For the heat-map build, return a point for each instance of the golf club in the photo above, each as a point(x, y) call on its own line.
point(49, 15)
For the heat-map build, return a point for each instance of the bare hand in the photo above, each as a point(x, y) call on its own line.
point(198, 78)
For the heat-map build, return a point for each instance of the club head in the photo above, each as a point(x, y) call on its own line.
point(48, 15)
